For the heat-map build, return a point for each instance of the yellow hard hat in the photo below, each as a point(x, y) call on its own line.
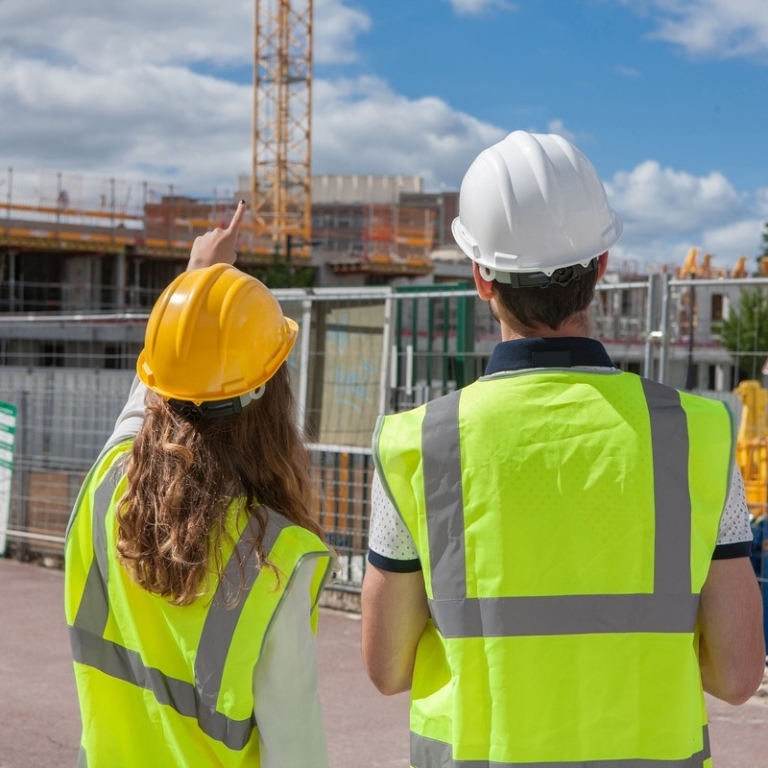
point(214, 334)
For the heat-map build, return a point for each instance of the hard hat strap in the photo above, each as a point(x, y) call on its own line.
point(214, 409)
point(562, 276)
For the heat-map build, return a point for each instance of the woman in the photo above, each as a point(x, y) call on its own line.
point(193, 564)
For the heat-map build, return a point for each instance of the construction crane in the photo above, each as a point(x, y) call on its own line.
point(690, 266)
point(282, 125)
point(739, 270)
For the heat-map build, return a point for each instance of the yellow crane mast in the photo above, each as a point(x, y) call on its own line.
point(282, 124)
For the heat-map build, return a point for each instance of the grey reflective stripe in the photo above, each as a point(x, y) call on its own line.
point(670, 608)
point(124, 664)
point(93, 612)
point(223, 616)
point(564, 615)
point(669, 438)
point(443, 496)
point(82, 758)
point(197, 700)
point(430, 753)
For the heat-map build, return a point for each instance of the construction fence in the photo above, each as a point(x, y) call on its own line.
point(360, 353)
point(357, 356)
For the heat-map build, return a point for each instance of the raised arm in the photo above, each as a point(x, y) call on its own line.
point(218, 245)
point(732, 648)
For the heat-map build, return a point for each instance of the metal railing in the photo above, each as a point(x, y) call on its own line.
point(361, 353)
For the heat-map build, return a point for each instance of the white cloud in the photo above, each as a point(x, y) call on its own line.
point(762, 201)
point(111, 35)
point(121, 88)
point(558, 126)
point(362, 126)
point(85, 101)
point(476, 7)
point(718, 28)
point(169, 123)
point(666, 212)
point(166, 122)
point(740, 238)
point(673, 202)
point(337, 27)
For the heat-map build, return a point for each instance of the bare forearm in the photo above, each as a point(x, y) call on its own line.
point(394, 614)
point(732, 646)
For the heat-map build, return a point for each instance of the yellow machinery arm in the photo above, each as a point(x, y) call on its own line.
point(752, 445)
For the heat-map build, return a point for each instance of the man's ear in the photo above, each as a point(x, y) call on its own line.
point(484, 287)
point(602, 265)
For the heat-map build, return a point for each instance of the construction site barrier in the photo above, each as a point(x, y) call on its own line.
point(360, 353)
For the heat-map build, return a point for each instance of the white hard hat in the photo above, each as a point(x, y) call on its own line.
point(533, 203)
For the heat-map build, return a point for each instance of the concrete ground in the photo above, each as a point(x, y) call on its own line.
point(39, 721)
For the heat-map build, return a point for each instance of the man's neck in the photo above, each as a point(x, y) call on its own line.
point(576, 326)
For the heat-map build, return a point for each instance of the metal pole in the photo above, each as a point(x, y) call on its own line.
point(306, 325)
point(385, 385)
point(649, 314)
point(690, 377)
point(663, 355)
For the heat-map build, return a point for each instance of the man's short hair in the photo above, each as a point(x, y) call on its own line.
point(551, 305)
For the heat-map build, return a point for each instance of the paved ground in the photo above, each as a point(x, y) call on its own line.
point(39, 722)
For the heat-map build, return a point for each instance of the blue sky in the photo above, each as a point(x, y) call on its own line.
point(667, 97)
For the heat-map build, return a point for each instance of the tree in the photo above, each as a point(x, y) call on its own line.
point(745, 332)
point(761, 270)
point(765, 242)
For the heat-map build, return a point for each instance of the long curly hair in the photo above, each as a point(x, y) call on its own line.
point(182, 477)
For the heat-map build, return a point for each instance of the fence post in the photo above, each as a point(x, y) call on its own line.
point(385, 357)
point(465, 339)
point(649, 317)
point(22, 427)
point(306, 328)
point(665, 289)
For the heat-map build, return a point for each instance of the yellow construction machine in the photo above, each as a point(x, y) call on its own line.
point(752, 458)
point(752, 445)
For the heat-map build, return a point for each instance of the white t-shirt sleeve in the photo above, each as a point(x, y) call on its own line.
point(285, 684)
point(132, 416)
point(388, 535)
point(735, 524)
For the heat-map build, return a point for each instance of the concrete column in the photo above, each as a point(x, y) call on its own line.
point(120, 280)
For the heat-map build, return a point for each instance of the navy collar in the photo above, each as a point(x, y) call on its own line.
point(561, 352)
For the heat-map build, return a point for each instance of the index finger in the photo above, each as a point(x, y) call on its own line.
point(237, 219)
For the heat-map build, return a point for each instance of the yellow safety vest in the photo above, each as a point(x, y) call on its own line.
point(565, 522)
point(164, 685)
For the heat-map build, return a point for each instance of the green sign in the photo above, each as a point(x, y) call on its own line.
point(7, 441)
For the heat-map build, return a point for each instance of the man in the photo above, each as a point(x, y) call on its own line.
point(559, 552)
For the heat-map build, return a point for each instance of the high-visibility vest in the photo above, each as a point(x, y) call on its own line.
point(165, 685)
point(565, 522)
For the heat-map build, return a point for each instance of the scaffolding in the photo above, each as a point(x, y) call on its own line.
point(281, 176)
point(71, 213)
